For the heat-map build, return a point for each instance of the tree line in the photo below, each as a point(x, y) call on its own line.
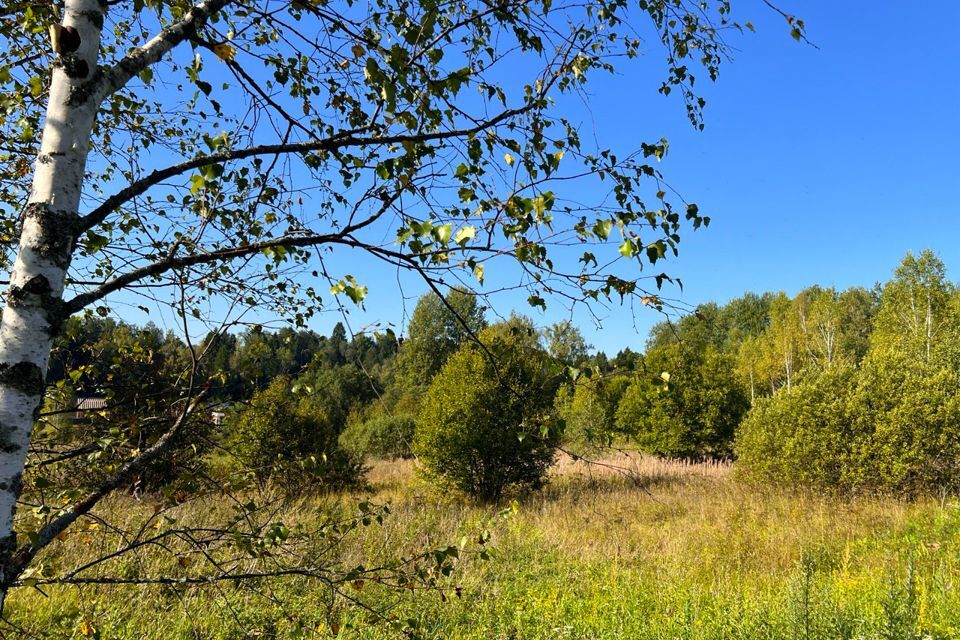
point(849, 389)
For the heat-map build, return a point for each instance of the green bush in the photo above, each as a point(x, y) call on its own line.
point(891, 426)
point(684, 405)
point(485, 428)
point(800, 435)
point(138, 373)
point(907, 422)
point(382, 436)
point(290, 435)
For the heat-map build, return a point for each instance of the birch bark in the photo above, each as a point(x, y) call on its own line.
point(32, 313)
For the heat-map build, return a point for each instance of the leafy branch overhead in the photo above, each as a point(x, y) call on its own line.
point(299, 120)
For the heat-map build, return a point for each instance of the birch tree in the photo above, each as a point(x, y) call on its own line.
point(914, 308)
point(217, 155)
point(832, 324)
point(782, 340)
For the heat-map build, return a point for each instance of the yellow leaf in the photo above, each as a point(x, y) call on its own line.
point(465, 234)
point(508, 158)
point(86, 628)
point(225, 51)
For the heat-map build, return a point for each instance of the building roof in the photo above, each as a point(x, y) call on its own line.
point(90, 404)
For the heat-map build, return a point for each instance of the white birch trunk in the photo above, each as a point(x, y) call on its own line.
point(31, 316)
point(788, 367)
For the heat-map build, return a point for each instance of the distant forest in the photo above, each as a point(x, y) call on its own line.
point(855, 390)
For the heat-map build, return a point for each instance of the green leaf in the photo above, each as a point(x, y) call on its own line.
point(356, 292)
point(602, 228)
point(442, 233)
point(197, 183)
point(95, 242)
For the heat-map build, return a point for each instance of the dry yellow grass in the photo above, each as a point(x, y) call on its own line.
point(629, 547)
point(633, 508)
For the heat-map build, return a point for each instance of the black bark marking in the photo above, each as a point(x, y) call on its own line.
point(80, 93)
point(95, 18)
point(37, 292)
point(73, 65)
point(36, 286)
point(47, 158)
point(64, 39)
point(25, 377)
point(8, 547)
point(15, 484)
point(9, 568)
point(58, 232)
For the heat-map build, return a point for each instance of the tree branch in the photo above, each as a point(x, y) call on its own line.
point(116, 77)
point(333, 143)
point(60, 524)
point(162, 266)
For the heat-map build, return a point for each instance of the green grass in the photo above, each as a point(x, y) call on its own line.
point(692, 553)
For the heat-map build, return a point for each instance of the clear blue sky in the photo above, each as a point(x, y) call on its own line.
point(817, 165)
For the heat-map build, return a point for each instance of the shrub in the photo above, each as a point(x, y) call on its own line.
point(891, 426)
point(381, 436)
point(139, 375)
point(685, 405)
point(906, 418)
point(800, 435)
point(485, 428)
point(291, 435)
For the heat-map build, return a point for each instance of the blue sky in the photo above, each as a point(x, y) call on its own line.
point(818, 165)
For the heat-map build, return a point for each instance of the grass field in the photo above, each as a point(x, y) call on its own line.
point(689, 551)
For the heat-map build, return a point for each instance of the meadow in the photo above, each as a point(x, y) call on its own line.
point(670, 550)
